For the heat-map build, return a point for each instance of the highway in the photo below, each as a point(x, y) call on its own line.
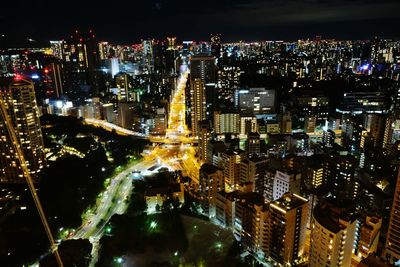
point(175, 151)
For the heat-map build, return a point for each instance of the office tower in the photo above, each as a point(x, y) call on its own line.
point(148, 61)
point(392, 246)
point(286, 181)
point(198, 104)
point(248, 124)
point(204, 139)
point(369, 236)
point(211, 181)
point(333, 232)
point(215, 45)
point(313, 106)
point(80, 51)
point(226, 122)
point(18, 96)
point(253, 144)
point(54, 76)
point(256, 101)
point(285, 233)
point(375, 125)
point(124, 84)
point(104, 50)
point(203, 68)
point(339, 171)
point(171, 55)
point(328, 138)
point(353, 130)
point(227, 83)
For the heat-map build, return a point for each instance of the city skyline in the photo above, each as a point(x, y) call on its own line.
point(128, 22)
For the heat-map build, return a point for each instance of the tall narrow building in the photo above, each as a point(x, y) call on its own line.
point(285, 236)
point(198, 109)
point(392, 246)
point(18, 96)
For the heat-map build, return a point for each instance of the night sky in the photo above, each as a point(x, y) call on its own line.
point(127, 21)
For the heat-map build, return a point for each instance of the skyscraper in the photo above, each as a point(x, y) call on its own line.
point(286, 229)
point(198, 101)
point(18, 96)
point(392, 246)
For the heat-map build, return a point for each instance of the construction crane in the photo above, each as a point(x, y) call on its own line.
point(29, 180)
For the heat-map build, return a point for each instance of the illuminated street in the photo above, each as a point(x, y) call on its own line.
point(176, 153)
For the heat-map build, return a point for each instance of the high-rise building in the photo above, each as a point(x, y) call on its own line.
point(216, 45)
point(248, 124)
point(333, 233)
point(18, 96)
point(231, 166)
point(198, 104)
point(286, 123)
point(313, 106)
point(80, 51)
point(226, 123)
point(339, 171)
point(204, 138)
point(253, 144)
point(211, 181)
point(256, 101)
point(285, 224)
point(203, 68)
point(228, 82)
point(392, 246)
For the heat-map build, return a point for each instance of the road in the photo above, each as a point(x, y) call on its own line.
point(177, 153)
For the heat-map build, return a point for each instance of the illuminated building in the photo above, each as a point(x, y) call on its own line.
point(211, 181)
point(332, 236)
point(392, 247)
point(203, 67)
point(286, 181)
point(286, 123)
point(248, 124)
point(156, 196)
point(104, 50)
point(204, 138)
point(253, 144)
point(369, 236)
point(231, 166)
point(57, 48)
point(315, 173)
point(148, 61)
point(285, 229)
point(114, 66)
point(198, 104)
point(310, 124)
point(315, 106)
point(226, 123)
point(252, 169)
point(53, 75)
point(339, 170)
point(80, 52)
point(216, 45)
point(18, 96)
point(123, 83)
point(255, 101)
point(228, 82)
